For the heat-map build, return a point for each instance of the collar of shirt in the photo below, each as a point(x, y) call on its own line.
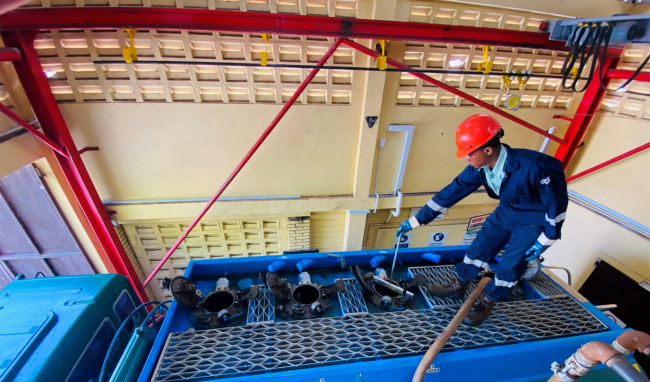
point(495, 176)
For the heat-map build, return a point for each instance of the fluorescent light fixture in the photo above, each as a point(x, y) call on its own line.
point(456, 62)
point(49, 73)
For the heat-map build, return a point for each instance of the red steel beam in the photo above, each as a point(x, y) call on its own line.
point(39, 93)
point(584, 114)
point(617, 74)
point(16, 118)
point(455, 91)
point(248, 156)
point(607, 163)
point(9, 54)
point(251, 22)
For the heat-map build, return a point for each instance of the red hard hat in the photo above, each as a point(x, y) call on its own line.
point(474, 132)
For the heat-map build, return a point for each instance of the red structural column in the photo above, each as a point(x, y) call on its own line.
point(39, 93)
point(584, 114)
point(248, 156)
point(455, 91)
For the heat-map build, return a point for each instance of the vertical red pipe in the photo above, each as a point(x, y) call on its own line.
point(607, 163)
point(248, 156)
point(455, 91)
point(39, 93)
point(585, 113)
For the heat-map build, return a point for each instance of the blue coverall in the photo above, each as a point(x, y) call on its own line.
point(532, 206)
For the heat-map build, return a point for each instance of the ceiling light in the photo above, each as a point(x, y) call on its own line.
point(49, 73)
point(456, 62)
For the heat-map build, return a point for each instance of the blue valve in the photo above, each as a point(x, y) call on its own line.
point(431, 257)
point(276, 266)
point(375, 261)
point(302, 265)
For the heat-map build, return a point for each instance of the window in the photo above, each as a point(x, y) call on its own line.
point(89, 364)
point(123, 307)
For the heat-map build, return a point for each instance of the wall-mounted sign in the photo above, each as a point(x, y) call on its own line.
point(475, 224)
point(437, 239)
point(404, 241)
point(439, 217)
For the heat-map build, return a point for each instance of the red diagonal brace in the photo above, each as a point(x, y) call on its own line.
point(607, 163)
point(39, 93)
point(248, 156)
point(10, 54)
point(455, 91)
point(585, 113)
point(16, 118)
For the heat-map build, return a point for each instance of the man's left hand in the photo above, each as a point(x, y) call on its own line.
point(536, 250)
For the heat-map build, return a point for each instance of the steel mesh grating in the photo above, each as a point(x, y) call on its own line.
point(443, 274)
point(545, 286)
point(351, 299)
point(261, 309)
point(273, 347)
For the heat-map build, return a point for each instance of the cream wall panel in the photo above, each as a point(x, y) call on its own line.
point(155, 151)
point(327, 231)
point(382, 226)
point(19, 152)
point(623, 186)
point(210, 239)
point(432, 163)
point(587, 236)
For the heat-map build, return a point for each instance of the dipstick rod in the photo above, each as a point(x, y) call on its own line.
point(399, 239)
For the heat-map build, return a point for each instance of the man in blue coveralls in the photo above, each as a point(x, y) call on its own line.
point(533, 199)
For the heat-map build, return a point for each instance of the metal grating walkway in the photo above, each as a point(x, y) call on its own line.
point(541, 285)
point(244, 350)
point(351, 299)
point(261, 309)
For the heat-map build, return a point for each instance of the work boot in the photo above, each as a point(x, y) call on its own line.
point(480, 312)
point(453, 289)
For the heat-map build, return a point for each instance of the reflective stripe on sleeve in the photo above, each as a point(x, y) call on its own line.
point(435, 206)
point(558, 219)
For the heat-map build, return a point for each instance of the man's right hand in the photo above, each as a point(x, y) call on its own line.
point(404, 228)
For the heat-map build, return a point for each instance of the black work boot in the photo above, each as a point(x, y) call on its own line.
point(480, 312)
point(453, 289)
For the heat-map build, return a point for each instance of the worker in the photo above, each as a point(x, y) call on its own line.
point(533, 199)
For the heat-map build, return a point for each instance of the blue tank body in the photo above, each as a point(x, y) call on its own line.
point(356, 340)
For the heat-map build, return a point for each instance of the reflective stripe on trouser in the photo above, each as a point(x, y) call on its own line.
point(489, 241)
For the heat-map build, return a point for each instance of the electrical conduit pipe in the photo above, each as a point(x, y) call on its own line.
point(398, 208)
point(590, 355)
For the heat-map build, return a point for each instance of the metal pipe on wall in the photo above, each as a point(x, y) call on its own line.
point(610, 214)
point(248, 156)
